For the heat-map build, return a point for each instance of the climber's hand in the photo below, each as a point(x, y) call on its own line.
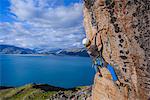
point(118, 83)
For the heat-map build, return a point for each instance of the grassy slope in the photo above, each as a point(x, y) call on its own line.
point(40, 92)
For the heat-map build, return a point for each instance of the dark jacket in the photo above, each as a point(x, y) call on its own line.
point(95, 53)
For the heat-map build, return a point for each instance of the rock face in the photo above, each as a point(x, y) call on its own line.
point(123, 27)
point(104, 89)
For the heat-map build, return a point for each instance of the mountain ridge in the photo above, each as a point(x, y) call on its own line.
point(10, 49)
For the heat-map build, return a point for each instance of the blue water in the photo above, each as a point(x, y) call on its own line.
point(62, 71)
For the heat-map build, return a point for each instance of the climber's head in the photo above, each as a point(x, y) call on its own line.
point(86, 42)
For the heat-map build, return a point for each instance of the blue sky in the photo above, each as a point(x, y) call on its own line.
point(41, 23)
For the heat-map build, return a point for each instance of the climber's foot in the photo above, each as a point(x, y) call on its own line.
point(118, 83)
point(100, 75)
point(123, 85)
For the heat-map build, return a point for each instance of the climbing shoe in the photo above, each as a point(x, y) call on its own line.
point(119, 84)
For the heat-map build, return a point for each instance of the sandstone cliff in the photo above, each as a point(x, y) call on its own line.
point(124, 28)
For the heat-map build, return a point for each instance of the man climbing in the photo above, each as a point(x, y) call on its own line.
point(98, 60)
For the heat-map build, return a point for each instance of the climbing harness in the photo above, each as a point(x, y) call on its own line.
point(99, 62)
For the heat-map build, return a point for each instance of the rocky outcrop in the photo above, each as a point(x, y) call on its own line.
point(105, 89)
point(123, 27)
point(45, 92)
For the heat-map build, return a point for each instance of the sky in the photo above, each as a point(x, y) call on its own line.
point(42, 24)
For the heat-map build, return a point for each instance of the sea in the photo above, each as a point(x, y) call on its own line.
point(59, 71)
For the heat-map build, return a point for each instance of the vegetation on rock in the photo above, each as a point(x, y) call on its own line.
point(44, 92)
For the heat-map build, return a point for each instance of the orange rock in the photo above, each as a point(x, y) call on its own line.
point(105, 89)
point(123, 26)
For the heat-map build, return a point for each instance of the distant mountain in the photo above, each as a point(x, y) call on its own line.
point(73, 52)
point(9, 49)
point(61, 52)
point(46, 51)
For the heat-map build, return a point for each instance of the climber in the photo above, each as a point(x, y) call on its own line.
point(98, 60)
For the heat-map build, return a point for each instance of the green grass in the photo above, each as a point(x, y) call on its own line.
point(35, 92)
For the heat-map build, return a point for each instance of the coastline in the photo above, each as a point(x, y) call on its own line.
point(61, 55)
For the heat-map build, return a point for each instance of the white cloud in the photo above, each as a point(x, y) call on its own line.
point(37, 13)
point(43, 25)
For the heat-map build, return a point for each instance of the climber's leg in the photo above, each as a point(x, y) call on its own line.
point(114, 76)
point(112, 72)
point(97, 69)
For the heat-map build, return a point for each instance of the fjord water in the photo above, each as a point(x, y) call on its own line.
point(61, 71)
